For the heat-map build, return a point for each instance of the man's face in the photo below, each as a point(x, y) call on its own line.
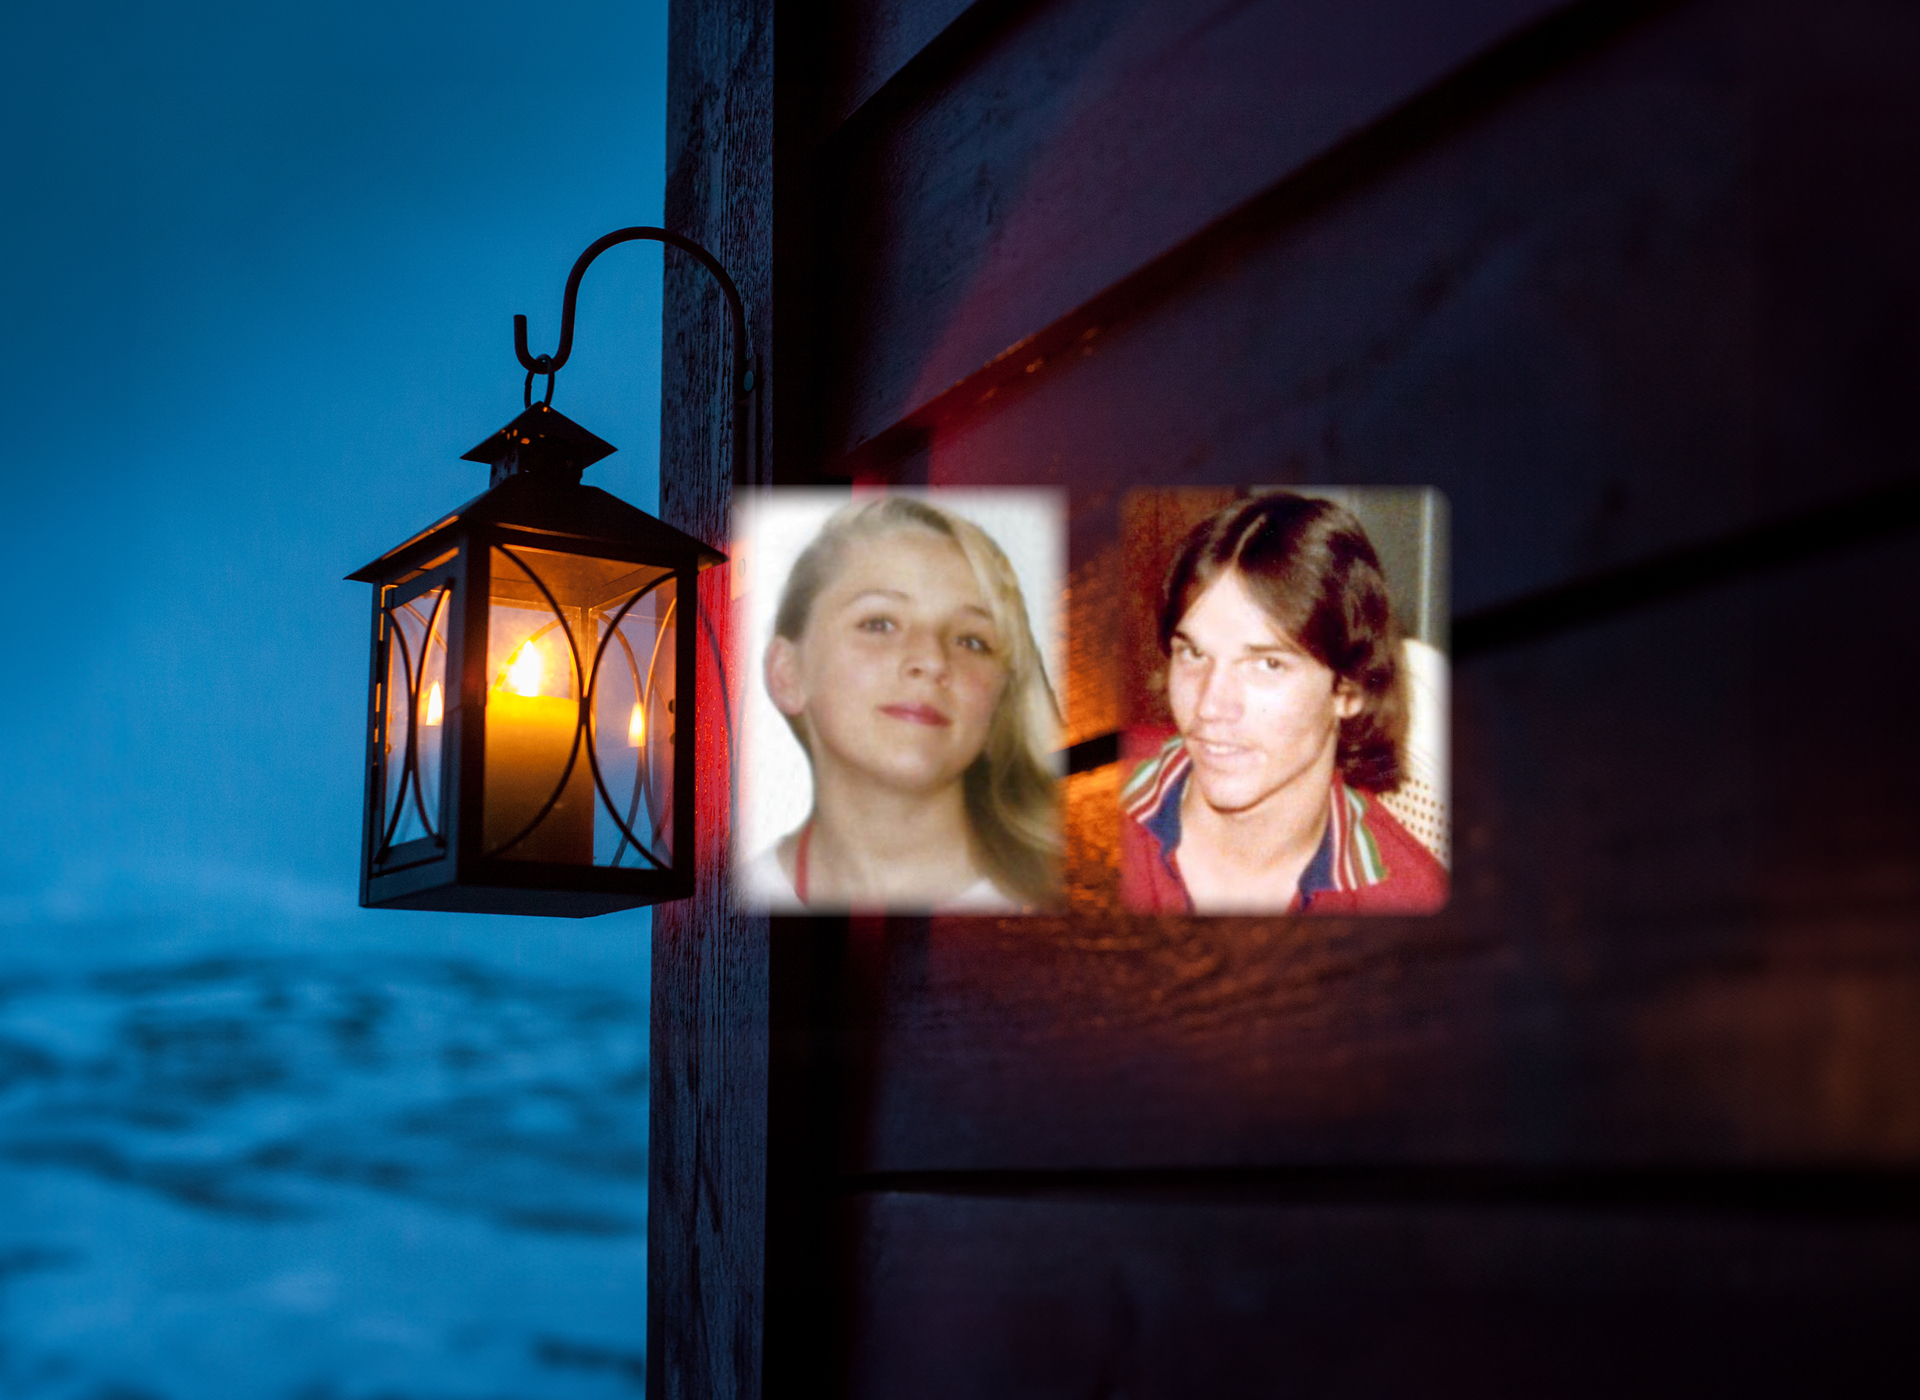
point(1260, 716)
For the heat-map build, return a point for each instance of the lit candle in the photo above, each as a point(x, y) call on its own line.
point(529, 736)
point(637, 728)
point(527, 670)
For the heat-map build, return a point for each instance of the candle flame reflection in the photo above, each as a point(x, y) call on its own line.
point(434, 705)
point(637, 728)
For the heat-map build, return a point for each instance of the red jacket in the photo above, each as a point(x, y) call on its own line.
point(1367, 862)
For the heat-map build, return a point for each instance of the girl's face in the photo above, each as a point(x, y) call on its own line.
point(901, 666)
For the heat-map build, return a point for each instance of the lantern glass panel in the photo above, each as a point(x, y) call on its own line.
point(414, 706)
point(566, 781)
point(634, 725)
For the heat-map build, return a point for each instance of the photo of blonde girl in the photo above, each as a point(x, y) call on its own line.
point(903, 758)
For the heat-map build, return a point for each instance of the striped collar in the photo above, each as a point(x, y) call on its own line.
point(1348, 858)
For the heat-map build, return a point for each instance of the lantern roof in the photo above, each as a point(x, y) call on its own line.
point(542, 440)
point(550, 502)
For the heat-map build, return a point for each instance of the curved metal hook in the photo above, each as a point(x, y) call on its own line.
point(550, 364)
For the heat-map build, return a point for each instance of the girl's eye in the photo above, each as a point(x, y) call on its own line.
point(1271, 664)
point(976, 643)
point(1185, 651)
point(875, 624)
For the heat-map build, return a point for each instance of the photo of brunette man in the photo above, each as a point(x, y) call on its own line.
point(1286, 679)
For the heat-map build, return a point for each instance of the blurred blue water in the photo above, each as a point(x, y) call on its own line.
point(278, 1173)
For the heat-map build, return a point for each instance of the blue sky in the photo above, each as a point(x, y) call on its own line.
point(261, 265)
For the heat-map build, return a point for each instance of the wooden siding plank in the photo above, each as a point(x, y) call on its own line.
point(873, 40)
point(1085, 139)
point(1061, 1296)
point(1681, 931)
point(1621, 314)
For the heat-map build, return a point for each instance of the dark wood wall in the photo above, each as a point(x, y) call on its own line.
point(1635, 285)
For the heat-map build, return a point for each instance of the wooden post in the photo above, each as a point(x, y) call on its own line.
point(706, 1238)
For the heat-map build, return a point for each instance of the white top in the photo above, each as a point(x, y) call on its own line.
point(760, 884)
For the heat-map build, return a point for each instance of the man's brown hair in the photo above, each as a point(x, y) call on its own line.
point(1309, 565)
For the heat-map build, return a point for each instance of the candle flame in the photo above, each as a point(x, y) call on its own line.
point(434, 706)
point(637, 728)
point(527, 669)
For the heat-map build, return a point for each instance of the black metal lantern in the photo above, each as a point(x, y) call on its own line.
point(531, 723)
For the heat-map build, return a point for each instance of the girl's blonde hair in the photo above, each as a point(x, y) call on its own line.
point(1010, 788)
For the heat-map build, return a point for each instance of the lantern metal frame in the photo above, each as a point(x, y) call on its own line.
point(535, 501)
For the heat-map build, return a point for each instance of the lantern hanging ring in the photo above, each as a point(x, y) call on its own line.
point(540, 367)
